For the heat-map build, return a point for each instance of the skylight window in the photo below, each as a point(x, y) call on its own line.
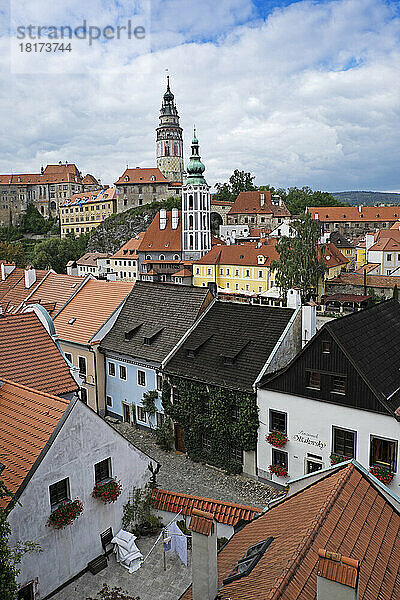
point(71, 321)
point(247, 563)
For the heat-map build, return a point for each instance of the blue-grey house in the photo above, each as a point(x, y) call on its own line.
point(152, 321)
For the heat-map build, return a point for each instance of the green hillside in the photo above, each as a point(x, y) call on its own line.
point(367, 198)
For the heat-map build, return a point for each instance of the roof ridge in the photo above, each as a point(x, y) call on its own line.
point(293, 564)
point(25, 387)
point(191, 497)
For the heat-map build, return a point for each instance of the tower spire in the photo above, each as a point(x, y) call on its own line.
point(169, 138)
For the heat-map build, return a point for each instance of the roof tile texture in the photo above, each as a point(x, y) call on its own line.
point(352, 213)
point(92, 305)
point(223, 512)
point(141, 175)
point(29, 356)
point(241, 254)
point(13, 291)
point(27, 420)
point(201, 522)
point(250, 203)
point(56, 289)
point(343, 512)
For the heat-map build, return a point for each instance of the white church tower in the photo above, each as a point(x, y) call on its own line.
point(196, 231)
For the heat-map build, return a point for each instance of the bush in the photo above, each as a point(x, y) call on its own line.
point(137, 515)
point(165, 436)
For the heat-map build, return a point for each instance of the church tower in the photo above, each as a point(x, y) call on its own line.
point(196, 232)
point(169, 139)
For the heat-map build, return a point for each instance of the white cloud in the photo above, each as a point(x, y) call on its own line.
point(276, 98)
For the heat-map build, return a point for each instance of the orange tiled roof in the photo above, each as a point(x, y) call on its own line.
point(201, 522)
point(54, 290)
point(28, 355)
point(158, 240)
point(241, 254)
point(368, 267)
point(332, 256)
point(221, 202)
point(90, 180)
point(336, 567)
point(28, 417)
point(13, 291)
point(250, 203)
point(388, 243)
point(64, 173)
point(90, 258)
point(343, 512)
point(182, 273)
point(84, 198)
point(223, 512)
point(140, 175)
point(89, 309)
point(130, 248)
point(352, 213)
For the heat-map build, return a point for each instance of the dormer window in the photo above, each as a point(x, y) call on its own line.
point(126, 178)
point(247, 563)
point(152, 178)
point(71, 321)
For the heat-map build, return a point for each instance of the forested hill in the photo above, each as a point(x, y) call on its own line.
point(367, 198)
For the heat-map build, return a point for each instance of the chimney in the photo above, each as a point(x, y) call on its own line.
point(163, 218)
point(369, 242)
point(204, 555)
point(308, 323)
point(175, 218)
point(30, 277)
point(293, 298)
point(360, 208)
point(316, 216)
point(262, 199)
point(337, 577)
point(6, 269)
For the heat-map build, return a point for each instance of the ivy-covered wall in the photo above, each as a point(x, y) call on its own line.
point(224, 419)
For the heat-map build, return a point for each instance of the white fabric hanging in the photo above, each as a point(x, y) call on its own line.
point(178, 542)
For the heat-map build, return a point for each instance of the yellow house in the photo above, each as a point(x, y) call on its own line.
point(83, 212)
point(335, 262)
point(241, 269)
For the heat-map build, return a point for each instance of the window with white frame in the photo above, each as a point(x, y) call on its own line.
point(59, 492)
point(109, 401)
point(141, 377)
point(141, 414)
point(344, 442)
point(122, 372)
point(383, 453)
point(111, 369)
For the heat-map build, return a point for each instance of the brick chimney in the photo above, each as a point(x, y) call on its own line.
point(30, 277)
point(163, 218)
point(337, 577)
point(204, 555)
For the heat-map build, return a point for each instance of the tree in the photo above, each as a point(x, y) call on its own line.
point(33, 222)
point(54, 253)
point(13, 252)
point(300, 262)
point(298, 199)
point(239, 181)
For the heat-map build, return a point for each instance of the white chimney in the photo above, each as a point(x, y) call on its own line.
point(360, 208)
point(262, 199)
point(316, 216)
point(6, 270)
point(30, 277)
point(163, 218)
point(175, 218)
point(293, 298)
point(204, 555)
point(337, 577)
point(308, 323)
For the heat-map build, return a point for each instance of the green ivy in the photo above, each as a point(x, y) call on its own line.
point(209, 411)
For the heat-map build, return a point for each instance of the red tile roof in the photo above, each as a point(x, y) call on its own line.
point(28, 417)
point(13, 291)
point(201, 522)
point(140, 175)
point(130, 248)
point(250, 203)
point(89, 309)
point(368, 267)
point(333, 257)
point(90, 180)
point(353, 214)
point(241, 254)
point(182, 273)
point(90, 258)
point(54, 290)
point(28, 355)
point(344, 512)
point(93, 196)
point(158, 240)
point(221, 202)
point(64, 173)
point(357, 279)
point(336, 567)
point(345, 298)
point(228, 513)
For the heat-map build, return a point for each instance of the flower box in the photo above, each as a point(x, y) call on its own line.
point(278, 470)
point(338, 458)
point(277, 439)
point(107, 491)
point(65, 514)
point(382, 473)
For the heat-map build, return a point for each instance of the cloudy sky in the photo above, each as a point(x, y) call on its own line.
point(297, 92)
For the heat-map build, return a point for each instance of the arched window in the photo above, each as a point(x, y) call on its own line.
point(152, 178)
point(176, 257)
point(53, 205)
point(190, 202)
point(148, 257)
point(166, 149)
point(161, 257)
point(190, 221)
point(126, 178)
point(191, 242)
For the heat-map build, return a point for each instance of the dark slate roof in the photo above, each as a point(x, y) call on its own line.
point(371, 339)
point(230, 344)
point(154, 318)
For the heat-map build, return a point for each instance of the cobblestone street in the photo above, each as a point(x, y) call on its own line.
point(180, 474)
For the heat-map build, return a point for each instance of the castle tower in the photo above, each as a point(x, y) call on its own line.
point(169, 139)
point(196, 232)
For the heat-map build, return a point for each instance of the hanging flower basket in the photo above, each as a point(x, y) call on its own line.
point(277, 439)
point(383, 474)
point(338, 458)
point(107, 492)
point(65, 514)
point(278, 470)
